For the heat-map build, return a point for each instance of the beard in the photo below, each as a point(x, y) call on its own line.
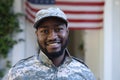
point(52, 55)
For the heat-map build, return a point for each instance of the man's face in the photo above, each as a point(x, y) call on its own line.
point(52, 37)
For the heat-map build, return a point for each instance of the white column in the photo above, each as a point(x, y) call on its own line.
point(112, 40)
point(108, 40)
point(116, 40)
point(18, 51)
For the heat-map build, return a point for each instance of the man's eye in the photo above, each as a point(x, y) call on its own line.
point(58, 29)
point(45, 31)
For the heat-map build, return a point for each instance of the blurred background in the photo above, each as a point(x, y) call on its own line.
point(94, 33)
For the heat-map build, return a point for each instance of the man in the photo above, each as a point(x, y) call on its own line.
point(53, 62)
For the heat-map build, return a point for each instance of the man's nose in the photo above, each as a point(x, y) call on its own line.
point(52, 35)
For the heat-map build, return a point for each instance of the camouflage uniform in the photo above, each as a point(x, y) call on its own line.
point(39, 67)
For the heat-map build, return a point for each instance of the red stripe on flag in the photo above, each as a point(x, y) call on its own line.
point(85, 20)
point(85, 28)
point(80, 3)
point(83, 12)
point(31, 8)
point(30, 14)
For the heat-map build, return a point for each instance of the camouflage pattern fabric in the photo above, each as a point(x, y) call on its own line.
point(39, 67)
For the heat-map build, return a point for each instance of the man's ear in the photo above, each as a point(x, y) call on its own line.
point(36, 32)
point(67, 30)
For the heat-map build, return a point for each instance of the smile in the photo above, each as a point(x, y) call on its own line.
point(53, 43)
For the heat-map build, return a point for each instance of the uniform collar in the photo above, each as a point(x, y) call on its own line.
point(45, 60)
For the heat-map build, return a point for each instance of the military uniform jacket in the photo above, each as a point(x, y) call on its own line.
point(39, 67)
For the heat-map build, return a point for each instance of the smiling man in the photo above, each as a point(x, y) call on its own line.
point(53, 62)
point(52, 36)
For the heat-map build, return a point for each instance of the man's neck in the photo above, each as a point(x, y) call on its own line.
point(57, 61)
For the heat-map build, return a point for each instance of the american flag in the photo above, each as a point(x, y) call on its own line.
point(82, 14)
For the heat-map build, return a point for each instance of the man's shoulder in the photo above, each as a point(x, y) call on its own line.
point(79, 66)
point(21, 66)
point(80, 61)
point(25, 61)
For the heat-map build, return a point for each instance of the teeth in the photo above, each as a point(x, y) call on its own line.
point(53, 44)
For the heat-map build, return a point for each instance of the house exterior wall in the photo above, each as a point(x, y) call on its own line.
point(93, 51)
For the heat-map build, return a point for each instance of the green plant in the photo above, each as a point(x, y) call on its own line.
point(9, 26)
